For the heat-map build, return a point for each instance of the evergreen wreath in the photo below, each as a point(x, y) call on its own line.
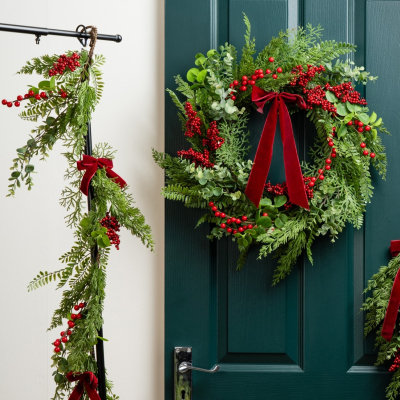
point(214, 173)
point(65, 101)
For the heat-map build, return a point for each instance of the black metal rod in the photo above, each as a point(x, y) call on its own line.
point(101, 370)
point(55, 32)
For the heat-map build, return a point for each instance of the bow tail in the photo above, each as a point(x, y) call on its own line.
point(263, 158)
point(294, 176)
point(91, 391)
point(87, 177)
point(77, 392)
point(392, 310)
point(117, 179)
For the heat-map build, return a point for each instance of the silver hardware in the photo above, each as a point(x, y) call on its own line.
point(183, 373)
point(185, 366)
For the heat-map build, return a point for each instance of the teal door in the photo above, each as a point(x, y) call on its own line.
point(301, 339)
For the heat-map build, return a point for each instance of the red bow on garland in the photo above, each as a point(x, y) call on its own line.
point(90, 164)
point(262, 161)
point(87, 380)
point(394, 301)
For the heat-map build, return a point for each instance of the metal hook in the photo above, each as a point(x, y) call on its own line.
point(83, 40)
point(37, 38)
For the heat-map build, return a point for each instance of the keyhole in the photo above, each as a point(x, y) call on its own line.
point(183, 394)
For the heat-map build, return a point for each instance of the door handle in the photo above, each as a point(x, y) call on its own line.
point(183, 373)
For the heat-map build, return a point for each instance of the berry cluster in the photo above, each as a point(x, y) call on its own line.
point(303, 78)
point(359, 127)
point(63, 62)
point(345, 92)
point(71, 324)
point(193, 123)
point(31, 93)
point(198, 158)
point(281, 189)
point(238, 224)
point(316, 97)
point(396, 362)
point(258, 74)
point(112, 225)
point(213, 141)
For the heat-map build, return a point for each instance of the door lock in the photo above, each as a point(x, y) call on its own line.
point(183, 373)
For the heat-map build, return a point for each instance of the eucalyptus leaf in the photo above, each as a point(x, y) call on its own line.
point(373, 117)
point(217, 191)
point(377, 123)
point(330, 96)
point(192, 74)
point(278, 223)
point(342, 109)
point(364, 118)
point(203, 181)
point(265, 222)
point(280, 200)
point(201, 76)
point(266, 202)
point(350, 106)
point(342, 131)
point(348, 118)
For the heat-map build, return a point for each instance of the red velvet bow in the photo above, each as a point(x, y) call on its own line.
point(394, 301)
point(262, 161)
point(87, 380)
point(90, 164)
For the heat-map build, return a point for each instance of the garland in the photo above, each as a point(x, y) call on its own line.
point(294, 71)
point(65, 101)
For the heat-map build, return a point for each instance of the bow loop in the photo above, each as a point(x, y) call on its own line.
point(91, 164)
point(263, 158)
point(87, 380)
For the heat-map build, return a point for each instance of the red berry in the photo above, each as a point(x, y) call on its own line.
point(37, 97)
point(245, 228)
point(261, 76)
point(240, 229)
point(43, 95)
point(19, 98)
point(367, 128)
point(57, 349)
point(233, 98)
point(9, 104)
point(76, 308)
point(274, 76)
point(279, 70)
point(217, 214)
point(254, 77)
point(271, 59)
point(4, 102)
point(359, 123)
point(214, 208)
point(267, 71)
point(238, 221)
point(250, 226)
point(330, 143)
point(245, 78)
point(210, 204)
point(231, 85)
point(71, 324)
point(62, 333)
point(81, 305)
point(321, 177)
point(360, 130)
point(31, 93)
point(362, 145)
point(333, 155)
point(235, 232)
point(223, 215)
point(79, 316)
point(320, 171)
point(265, 215)
point(327, 167)
point(372, 155)
point(223, 226)
point(64, 339)
point(244, 218)
point(17, 104)
point(252, 83)
point(365, 152)
point(229, 230)
point(243, 88)
point(73, 316)
point(57, 342)
point(229, 221)
point(235, 83)
point(350, 123)
point(64, 95)
point(328, 160)
point(26, 96)
point(334, 129)
point(311, 183)
point(69, 333)
point(313, 179)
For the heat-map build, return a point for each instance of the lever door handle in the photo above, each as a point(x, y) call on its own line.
point(186, 366)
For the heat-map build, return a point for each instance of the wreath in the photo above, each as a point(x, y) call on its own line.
point(294, 72)
point(64, 103)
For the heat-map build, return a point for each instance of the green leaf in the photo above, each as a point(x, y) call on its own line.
point(69, 316)
point(198, 55)
point(217, 191)
point(201, 76)
point(50, 120)
point(15, 174)
point(52, 82)
point(350, 106)
point(31, 143)
point(364, 118)
point(278, 223)
point(283, 217)
point(101, 338)
point(106, 240)
point(29, 168)
point(342, 109)
point(200, 61)
point(331, 97)
point(22, 150)
point(211, 52)
point(266, 222)
point(280, 200)
point(63, 365)
point(357, 107)
point(192, 74)
point(342, 131)
point(348, 118)
point(44, 85)
point(373, 117)
point(85, 223)
point(377, 123)
point(58, 378)
point(265, 202)
point(374, 133)
point(208, 175)
point(203, 181)
point(270, 210)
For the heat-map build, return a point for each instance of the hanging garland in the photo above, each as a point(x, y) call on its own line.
point(293, 72)
point(382, 310)
point(65, 101)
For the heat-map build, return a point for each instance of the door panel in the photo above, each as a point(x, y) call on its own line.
point(302, 339)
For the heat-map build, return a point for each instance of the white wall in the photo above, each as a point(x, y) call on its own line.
point(33, 234)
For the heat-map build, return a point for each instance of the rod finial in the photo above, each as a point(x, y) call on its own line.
point(119, 39)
